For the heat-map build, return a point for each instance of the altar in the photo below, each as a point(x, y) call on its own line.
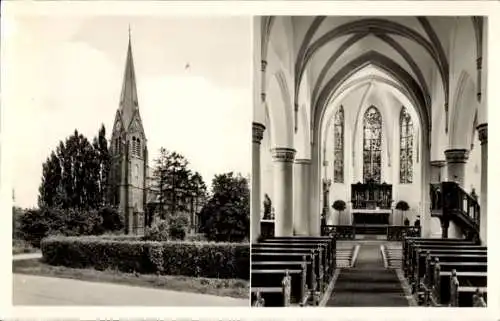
point(371, 216)
point(371, 203)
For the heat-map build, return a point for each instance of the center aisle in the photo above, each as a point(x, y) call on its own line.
point(368, 283)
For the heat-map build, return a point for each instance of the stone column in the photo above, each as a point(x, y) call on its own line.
point(436, 170)
point(283, 190)
point(257, 134)
point(314, 193)
point(483, 198)
point(455, 161)
point(301, 205)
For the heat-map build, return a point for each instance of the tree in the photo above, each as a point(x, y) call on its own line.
point(226, 216)
point(75, 174)
point(49, 190)
point(100, 145)
point(175, 182)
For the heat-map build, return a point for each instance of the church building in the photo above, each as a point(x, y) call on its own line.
point(133, 190)
point(129, 154)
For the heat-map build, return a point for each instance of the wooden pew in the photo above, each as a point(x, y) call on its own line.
point(432, 282)
point(257, 299)
point(441, 293)
point(449, 255)
point(467, 296)
point(272, 278)
point(279, 296)
point(310, 276)
point(329, 258)
point(326, 256)
point(410, 262)
point(330, 241)
point(423, 254)
point(308, 259)
point(318, 263)
point(324, 270)
point(410, 246)
point(409, 242)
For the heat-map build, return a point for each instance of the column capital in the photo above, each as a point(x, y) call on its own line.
point(456, 155)
point(482, 131)
point(283, 154)
point(303, 161)
point(257, 132)
point(438, 163)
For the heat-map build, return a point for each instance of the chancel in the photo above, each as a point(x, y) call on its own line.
point(385, 115)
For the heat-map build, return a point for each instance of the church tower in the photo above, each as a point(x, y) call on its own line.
point(129, 154)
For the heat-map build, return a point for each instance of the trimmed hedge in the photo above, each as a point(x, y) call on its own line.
point(126, 254)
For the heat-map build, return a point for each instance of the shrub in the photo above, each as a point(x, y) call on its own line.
point(194, 259)
point(36, 224)
point(111, 219)
point(178, 226)
point(339, 205)
point(158, 232)
point(402, 206)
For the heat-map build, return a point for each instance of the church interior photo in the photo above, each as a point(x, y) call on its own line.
point(369, 161)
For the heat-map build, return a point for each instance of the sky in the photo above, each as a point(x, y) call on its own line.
point(65, 73)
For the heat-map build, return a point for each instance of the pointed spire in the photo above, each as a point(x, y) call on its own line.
point(128, 97)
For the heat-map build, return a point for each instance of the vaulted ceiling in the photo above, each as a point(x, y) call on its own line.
point(406, 60)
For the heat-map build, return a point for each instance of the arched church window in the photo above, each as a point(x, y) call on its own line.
point(372, 145)
point(405, 147)
point(134, 145)
point(338, 136)
point(138, 149)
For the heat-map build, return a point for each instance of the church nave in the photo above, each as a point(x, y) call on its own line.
point(370, 144)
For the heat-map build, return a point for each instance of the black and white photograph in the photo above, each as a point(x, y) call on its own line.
point(369, 161)
point(130, 159)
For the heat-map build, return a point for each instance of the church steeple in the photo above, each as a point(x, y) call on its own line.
point(128, 98)
point(129, 154)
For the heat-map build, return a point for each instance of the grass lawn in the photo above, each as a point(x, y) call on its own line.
point(223, 287)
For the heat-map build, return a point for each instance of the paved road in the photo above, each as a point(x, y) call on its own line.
point(27, 256)
point(38, 290)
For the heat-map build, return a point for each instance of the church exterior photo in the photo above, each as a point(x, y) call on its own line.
point(132, 190)
point(125, 207)
point(370, 146)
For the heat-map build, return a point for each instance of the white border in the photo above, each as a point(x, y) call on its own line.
point(355, 8)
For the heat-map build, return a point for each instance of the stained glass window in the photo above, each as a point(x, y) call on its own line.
point(338, 138)
point(372, 145)
point(405, 147)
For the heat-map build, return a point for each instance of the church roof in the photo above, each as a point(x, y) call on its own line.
point(128, 98)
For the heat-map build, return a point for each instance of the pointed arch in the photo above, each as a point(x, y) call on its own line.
point(405, 147)
point(338, 138)
point(372, 145)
